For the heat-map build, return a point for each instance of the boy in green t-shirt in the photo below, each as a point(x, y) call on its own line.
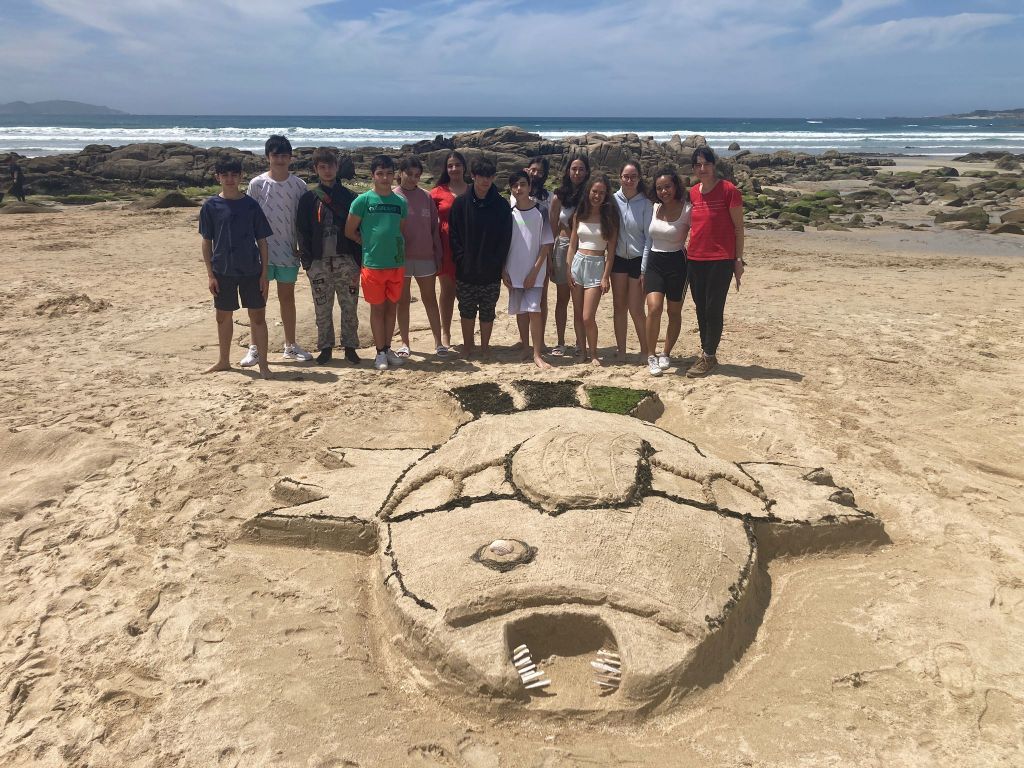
point(376, 220)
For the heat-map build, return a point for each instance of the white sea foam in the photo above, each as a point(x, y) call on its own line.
point(954, 139)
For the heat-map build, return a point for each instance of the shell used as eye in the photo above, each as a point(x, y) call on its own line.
point(501, 547)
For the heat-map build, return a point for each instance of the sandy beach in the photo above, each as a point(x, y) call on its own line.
point(138, 627)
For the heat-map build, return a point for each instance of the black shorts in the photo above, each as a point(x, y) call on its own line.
point(666, 273)
point(230, 289)
point(630, 267)
point(477, 298)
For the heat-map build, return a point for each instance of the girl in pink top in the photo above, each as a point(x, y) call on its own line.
point(423, 253)
point(450, 185)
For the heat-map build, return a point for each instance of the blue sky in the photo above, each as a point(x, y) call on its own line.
point(509, 57)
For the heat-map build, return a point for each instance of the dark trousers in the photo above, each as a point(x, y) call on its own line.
point(709, 287)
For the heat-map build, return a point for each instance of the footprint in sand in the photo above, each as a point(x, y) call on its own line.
point(955, 669)
point(433, 755)
point(1002, 720)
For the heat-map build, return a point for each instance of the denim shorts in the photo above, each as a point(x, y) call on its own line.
point(588, 270)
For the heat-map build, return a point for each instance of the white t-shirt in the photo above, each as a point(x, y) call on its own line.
point(279, 201)
point(530, 233)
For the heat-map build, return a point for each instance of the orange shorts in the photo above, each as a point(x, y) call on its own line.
point(380, 285)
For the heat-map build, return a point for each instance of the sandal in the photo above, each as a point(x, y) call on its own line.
point(558, 351)
point(402, 351)
point(441, 351)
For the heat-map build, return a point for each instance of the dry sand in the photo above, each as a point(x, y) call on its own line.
point(136, 629)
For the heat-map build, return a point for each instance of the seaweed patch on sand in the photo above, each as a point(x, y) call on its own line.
point(549, 394)
point(621, 400)
point(487, 397)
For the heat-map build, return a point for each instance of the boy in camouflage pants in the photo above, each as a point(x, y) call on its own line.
point(332, 261)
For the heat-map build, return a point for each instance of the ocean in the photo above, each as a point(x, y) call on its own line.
point(912, 136)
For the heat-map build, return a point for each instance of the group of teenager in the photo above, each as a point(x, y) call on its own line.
point(460, 242)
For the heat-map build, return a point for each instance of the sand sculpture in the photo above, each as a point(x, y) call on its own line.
point(565, 559)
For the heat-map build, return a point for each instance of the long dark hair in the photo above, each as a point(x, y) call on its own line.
point(568, 194)
point(609, 212)
point(444, 178)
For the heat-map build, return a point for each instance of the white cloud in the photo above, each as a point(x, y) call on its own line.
point(849, 10)
point(481, 56)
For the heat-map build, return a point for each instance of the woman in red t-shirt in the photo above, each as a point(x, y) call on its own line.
point(715, 253)
point(450, 185)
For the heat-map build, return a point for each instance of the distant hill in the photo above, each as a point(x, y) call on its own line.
point(997, 113)
point(56, 108)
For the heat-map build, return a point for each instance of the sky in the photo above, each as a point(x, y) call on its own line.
point(676, 58)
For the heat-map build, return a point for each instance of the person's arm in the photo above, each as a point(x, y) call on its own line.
point(739, 264)
point(506, 237)
point(609, 260)
point(553, 213)
point(570, 255)
point(542, 257)
point(435, 233)
point(648, 215)
point(208, 259)
point(304, 230)
point(456, 237)
point(352, 228)
point(265, 258)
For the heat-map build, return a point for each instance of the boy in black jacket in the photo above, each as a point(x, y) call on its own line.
point(480, 228)
point(332, 261)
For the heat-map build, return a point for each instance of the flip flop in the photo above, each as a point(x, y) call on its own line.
point(402, 351)
point(441, 351)
point(558, 351)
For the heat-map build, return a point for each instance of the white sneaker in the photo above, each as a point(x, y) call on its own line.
point(664, 362)
point(252, 357)
point(394, 360)
point(295, 352)
point(652, 366)
point(380, 362)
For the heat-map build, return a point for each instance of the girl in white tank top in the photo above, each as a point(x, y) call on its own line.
point(595, 232)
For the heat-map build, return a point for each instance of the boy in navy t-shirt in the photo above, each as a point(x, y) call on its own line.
point(235, 231)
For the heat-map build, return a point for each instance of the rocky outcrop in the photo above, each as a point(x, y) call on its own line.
point(175, 165)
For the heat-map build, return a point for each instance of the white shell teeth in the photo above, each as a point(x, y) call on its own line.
point(609, 667)
point(528, 671)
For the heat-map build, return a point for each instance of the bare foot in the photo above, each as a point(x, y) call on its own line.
point(468, 351)
point(527, 354)
point(518, 345)
point(596, 361)
point(485, 353)
point(265, 372)
point(620, 356)
point(541, 363)
point(220, 365)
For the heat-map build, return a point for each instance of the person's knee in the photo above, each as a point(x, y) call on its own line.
point(257, 318)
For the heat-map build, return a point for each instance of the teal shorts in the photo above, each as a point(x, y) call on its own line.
point(283, 274)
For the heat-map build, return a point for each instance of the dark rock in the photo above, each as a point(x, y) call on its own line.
point(971, 217)
point(734, 147)
point(1008, 229)
point(26, 208)
point(170, 200)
